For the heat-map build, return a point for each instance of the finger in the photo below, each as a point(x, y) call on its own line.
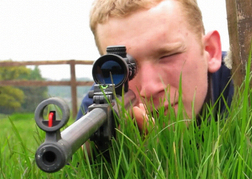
point(145, 113)
point(142, 107)
point(142, 118)
point(139, 116)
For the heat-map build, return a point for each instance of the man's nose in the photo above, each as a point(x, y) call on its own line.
point(150, 81)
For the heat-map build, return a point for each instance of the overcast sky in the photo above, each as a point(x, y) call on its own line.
point(59, 30)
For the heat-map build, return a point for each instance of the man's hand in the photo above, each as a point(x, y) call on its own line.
point(141, 117)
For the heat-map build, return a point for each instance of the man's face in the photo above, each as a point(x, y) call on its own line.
point(165, 49)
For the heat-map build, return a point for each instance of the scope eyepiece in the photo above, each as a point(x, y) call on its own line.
point(116, 67)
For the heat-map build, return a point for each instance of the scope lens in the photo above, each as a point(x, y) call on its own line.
point(110, 72)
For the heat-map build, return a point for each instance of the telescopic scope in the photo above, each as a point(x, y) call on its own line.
point(116, 67)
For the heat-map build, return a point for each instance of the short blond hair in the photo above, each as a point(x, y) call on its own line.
point(102, 10)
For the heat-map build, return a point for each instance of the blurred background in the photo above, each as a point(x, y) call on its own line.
point(34, 30)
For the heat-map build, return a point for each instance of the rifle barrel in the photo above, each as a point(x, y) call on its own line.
point(52, 156)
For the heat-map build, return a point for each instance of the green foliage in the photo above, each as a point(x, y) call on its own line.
point(11, 98)
point(24, 99)
point(10, 73)
point(33, 95)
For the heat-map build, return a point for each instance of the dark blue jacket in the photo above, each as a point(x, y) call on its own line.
point(221, 86)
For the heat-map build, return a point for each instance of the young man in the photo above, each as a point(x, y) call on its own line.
point(167, 39)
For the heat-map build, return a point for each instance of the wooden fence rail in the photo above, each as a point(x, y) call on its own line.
point(73, 83)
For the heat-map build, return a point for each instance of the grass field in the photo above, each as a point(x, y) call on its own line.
point(221, 147)
point(20, 137)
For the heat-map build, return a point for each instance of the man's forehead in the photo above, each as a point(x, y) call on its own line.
point(167, 12)
point(165, 5)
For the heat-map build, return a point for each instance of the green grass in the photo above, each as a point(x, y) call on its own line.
point(171, 149)
point(220, 149)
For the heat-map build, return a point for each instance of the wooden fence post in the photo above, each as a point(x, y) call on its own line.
point(239, 16)
point(73, 88)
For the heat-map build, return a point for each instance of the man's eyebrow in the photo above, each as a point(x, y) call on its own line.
point(171, 47)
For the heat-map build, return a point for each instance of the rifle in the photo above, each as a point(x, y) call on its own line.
point(111, 73)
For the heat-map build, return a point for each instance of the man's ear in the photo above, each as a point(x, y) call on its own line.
point(212, 46)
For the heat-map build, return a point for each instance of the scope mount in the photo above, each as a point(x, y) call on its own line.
point(103, 98)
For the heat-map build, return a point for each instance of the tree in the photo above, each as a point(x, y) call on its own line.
point(239, 17)
point(20, 99)
point(11, 98)
point(33, 95)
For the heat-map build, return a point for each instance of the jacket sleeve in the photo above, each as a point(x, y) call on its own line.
point(84, 105)
point(223, 89)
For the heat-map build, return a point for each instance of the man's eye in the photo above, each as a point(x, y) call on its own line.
point(168, 56)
